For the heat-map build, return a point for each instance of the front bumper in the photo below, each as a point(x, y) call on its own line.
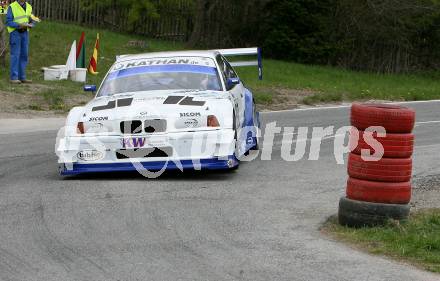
point(190, 150)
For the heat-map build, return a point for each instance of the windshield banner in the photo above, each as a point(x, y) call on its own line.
point(163, 61)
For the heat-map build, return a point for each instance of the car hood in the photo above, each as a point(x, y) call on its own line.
point(153, 104)
point(169, 105)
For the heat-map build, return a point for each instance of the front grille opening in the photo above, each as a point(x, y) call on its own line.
point(155, 126)
point(153, 152)
point(150, 130)
point(131, 127)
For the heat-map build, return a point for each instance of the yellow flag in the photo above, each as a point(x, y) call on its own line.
point(93, 65)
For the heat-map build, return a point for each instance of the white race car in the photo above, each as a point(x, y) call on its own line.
point(163, 111)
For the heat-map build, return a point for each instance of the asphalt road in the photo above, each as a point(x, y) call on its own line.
point(259, 223)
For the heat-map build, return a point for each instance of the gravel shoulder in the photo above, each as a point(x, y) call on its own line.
point(426, 192)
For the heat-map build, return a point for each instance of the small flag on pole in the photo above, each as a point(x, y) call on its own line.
point(81, 52)
point(71, 60)
point(93, 66)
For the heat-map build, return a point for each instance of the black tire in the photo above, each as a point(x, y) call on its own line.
point(354, 213)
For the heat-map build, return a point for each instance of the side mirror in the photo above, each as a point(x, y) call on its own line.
point(90, 88)
point(231, 82)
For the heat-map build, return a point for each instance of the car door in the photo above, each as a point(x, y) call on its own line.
point(237, 91)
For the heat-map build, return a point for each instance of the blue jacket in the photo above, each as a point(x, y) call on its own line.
point(10, 19)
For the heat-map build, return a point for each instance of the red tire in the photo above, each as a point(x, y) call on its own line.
point(394, 145)
point(395, 119)
point(384, 170)
point(379, 192)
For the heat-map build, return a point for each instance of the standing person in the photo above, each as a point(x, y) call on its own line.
point(18, 21)
point(3, 40)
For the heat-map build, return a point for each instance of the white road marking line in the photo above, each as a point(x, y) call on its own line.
point(334, 136)
point(415, 102)
point(427, 123)
point(308, 139)
point(427, 145)
point(289, 134)
point(294, 141)
point(306, 109)
point(280, 142)
point(345, 106)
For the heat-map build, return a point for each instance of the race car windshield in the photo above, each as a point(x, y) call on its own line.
point(163, 77)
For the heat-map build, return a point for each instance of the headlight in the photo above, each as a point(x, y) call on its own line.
point(213, 121)
point(80, 128)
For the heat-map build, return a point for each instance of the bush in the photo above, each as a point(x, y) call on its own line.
point(297, 30)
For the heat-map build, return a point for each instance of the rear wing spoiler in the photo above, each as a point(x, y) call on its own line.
point(246, 52)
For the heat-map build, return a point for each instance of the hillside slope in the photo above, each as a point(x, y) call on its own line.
point(285, 85)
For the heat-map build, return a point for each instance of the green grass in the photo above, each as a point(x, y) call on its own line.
point(334, 84)
point(416, 241)
point(50, 44)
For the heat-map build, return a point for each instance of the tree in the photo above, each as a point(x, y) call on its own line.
point(226, 23)
point(137, 10)
point(298, 30)
point(386, 36)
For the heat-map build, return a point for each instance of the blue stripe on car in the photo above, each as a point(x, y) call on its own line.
point(205, 164)
point(249, 121)
point(249, 109)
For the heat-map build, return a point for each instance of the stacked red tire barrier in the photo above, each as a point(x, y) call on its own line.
point(379, 190)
